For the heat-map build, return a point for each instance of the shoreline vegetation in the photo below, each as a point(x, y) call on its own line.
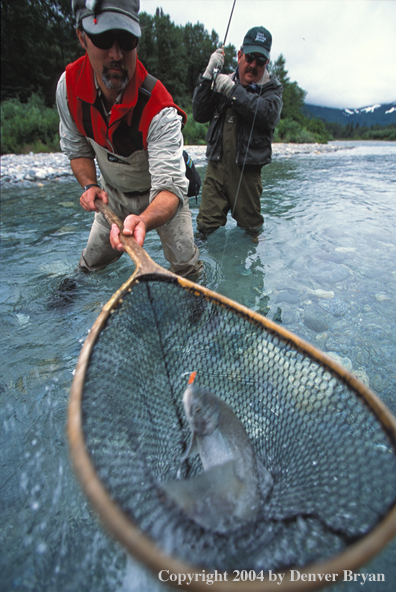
point(33, 127)
point(176, 54)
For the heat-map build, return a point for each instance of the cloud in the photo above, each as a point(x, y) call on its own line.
point(340, 51)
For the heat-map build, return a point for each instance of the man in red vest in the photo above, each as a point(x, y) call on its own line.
point(113, 111)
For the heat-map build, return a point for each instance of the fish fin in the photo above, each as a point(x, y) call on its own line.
point(212, 499)
point(192, 449)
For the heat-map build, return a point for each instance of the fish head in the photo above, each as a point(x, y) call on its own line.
point(202, 410)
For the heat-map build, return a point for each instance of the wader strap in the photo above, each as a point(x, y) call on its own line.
point(144, 95)
point(87, 120)
point(87, 116)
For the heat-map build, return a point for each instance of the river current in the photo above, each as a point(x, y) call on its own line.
point(324, 266)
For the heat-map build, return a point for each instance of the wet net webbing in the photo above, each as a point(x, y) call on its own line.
point(332, 460)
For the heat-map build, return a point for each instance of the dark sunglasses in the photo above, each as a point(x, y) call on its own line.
point(260, 61)
point(106, 40)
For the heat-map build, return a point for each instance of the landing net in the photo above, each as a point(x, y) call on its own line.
point(327, 441)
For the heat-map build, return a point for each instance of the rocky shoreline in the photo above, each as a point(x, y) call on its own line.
point(24, 169)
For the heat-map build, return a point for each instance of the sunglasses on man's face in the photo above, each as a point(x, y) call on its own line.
point(125, 40)
point(260, 61)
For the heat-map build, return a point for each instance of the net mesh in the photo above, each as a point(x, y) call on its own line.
point(332, 463)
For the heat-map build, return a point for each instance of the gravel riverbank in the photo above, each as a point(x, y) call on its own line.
point(24, 169)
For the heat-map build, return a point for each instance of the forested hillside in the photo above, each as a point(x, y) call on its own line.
point(375, 122)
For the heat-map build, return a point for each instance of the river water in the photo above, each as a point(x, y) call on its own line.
point(324, 266)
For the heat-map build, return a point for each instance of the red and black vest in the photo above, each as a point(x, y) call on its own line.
point(127, 129)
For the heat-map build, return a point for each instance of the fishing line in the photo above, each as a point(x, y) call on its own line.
point(243, 169)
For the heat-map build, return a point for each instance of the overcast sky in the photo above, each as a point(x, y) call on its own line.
point(342, 52)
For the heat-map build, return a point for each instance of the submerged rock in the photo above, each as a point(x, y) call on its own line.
point(335, 306)
point(380, 297)
point(314, 323)
point(344, 362)
point(322, 293)
point(330, 274)
point(290, 296)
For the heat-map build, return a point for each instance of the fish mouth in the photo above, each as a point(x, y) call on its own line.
point(187, 400)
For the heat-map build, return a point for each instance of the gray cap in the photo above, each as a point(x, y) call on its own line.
point(98, 16)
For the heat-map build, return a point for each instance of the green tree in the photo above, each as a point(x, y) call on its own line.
point(317, 127)
point(198, 46)
point(293, 96)
point(37, 41)
point(294, 125)
point(177, 55)
point(161, 51)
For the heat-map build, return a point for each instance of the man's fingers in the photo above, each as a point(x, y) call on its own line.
point(134, 226)
point(139, 234)
point(130, 223)
point(115, 238)
point(87, 199)
point(103, 196)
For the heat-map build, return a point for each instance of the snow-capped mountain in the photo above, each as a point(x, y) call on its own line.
point(371, 115)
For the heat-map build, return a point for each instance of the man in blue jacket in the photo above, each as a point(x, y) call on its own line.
point(243, 109)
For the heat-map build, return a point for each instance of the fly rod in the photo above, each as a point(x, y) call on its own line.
point(217, 70)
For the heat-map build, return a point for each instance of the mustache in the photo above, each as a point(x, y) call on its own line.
point(252, 71)
point(116, 65)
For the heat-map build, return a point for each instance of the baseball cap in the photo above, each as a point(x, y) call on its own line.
point(98, 16)
point(257, 40)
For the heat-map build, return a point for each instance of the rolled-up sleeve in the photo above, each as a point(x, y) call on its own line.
point(165, 153)
point(72, 142)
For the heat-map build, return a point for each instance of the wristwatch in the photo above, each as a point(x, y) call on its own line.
point(86, 187)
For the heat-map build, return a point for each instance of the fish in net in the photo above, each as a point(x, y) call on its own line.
point(326, 440)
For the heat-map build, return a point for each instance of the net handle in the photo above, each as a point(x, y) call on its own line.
point(143, 262)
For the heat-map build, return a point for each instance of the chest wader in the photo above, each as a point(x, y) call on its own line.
point(220, 187)
point(127, 182)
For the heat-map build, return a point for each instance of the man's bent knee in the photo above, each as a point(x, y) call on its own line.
point(86, 264)
point(191, 270)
